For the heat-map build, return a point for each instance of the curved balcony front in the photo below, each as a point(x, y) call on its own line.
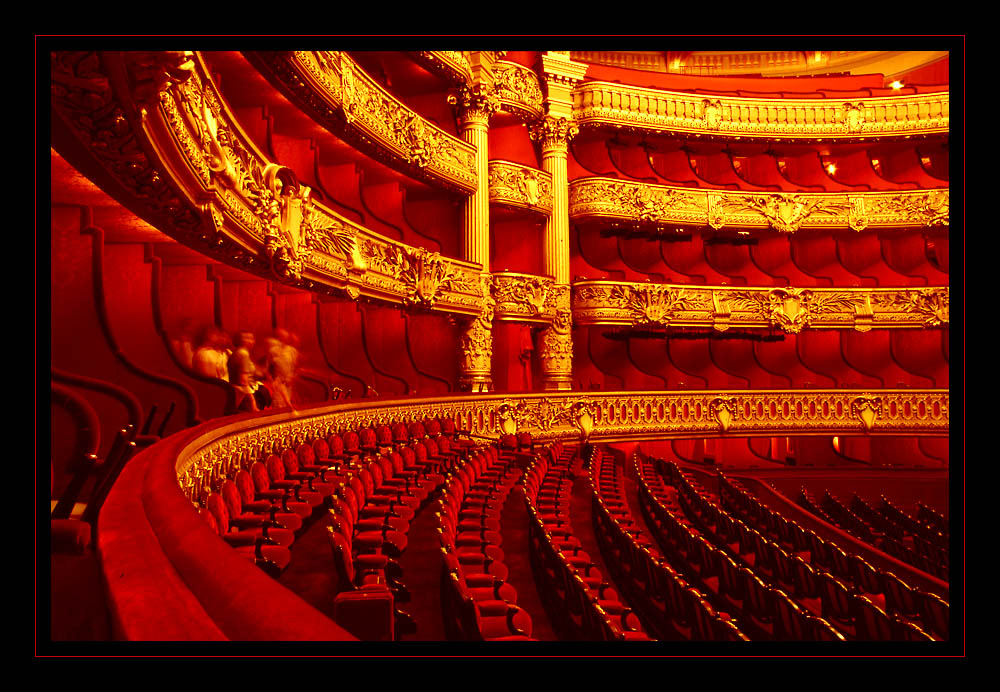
point(181, 160)
point(608, 105)
point(635, 203)
point(646, 305)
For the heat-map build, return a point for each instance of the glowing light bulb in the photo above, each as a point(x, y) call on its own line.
point(831, 168)
point(897, 85)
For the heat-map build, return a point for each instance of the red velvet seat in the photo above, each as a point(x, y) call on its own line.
point(252, 513)
point(272, 558)
point(276, 473)
point(314, 481)
point(239, 529)
point(277, 502)
point(285, 496)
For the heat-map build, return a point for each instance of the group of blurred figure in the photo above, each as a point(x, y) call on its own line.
point(262, 375)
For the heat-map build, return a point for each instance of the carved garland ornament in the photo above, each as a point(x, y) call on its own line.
point(519, 186)
point(656, 305)
point(529, 295)
point(518, 88)
point(786, 213)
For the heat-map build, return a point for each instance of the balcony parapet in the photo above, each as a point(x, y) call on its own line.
point(337, 93)
point(596, 416)
point(604, 104)
point(453, 65)
point(649, 305)
point(519, 90)
point(176, 151)
point(644, 204)
point(526, 297)
point(521, 187)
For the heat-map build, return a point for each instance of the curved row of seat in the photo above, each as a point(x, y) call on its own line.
point(581, 602)
point(861, 520)
point(477, 602)
point(861, 600)
point(371, 482)
point(763, 611)
point(673, 608)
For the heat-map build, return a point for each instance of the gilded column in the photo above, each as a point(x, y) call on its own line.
point(553, 133)
point(474, 105)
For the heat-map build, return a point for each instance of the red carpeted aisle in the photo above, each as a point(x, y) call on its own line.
point(514, 528)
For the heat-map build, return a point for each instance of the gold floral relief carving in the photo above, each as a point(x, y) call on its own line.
point(380, 121)
point(523, 295)
point(605, 104)
point(666, 206)
point(520, 186)
point(518, 88)
point(790, 309)
point(426, 276)
point(652, 304)
point(929, 304)
point(556, 352)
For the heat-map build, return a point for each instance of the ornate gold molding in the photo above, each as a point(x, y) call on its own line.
point(475, 102)
point(476, 344)
point(601, 416)
point(336, 92)
point(603, 104)
point(208, 186)
point(553, 132)
point(524, 297)
point(523, 187)
point(518, 89)
point(556, 349)
point(639, 204)
point(451, 64)
point(789, 309)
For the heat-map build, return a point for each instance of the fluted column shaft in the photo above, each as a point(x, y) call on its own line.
point(476, 215)
point(475, 104)
point(556, 350)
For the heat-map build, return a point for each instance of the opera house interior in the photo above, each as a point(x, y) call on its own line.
point(378, 347)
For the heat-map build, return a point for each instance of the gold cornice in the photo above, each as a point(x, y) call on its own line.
point(604, 104)
point(661, 205)
point(523, 187)
point(747, 307)
point(201, 180)
point(519, 90)
point(336, 92)
point(599, 416)
point(524, 297)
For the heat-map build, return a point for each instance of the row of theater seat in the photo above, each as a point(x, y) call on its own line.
point(477, 602)
point(581, 603)
point(372, 482)
point(673, 608)
point(860, 599)
point(763, 612)
point(862, 521)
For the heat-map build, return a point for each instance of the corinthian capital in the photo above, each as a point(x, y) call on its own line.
point(476, 102)
point(553, 131)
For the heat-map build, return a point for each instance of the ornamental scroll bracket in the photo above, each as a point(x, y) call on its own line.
point(864, 314)
point(721, 312)
point(281, 203)
point(867, 408)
